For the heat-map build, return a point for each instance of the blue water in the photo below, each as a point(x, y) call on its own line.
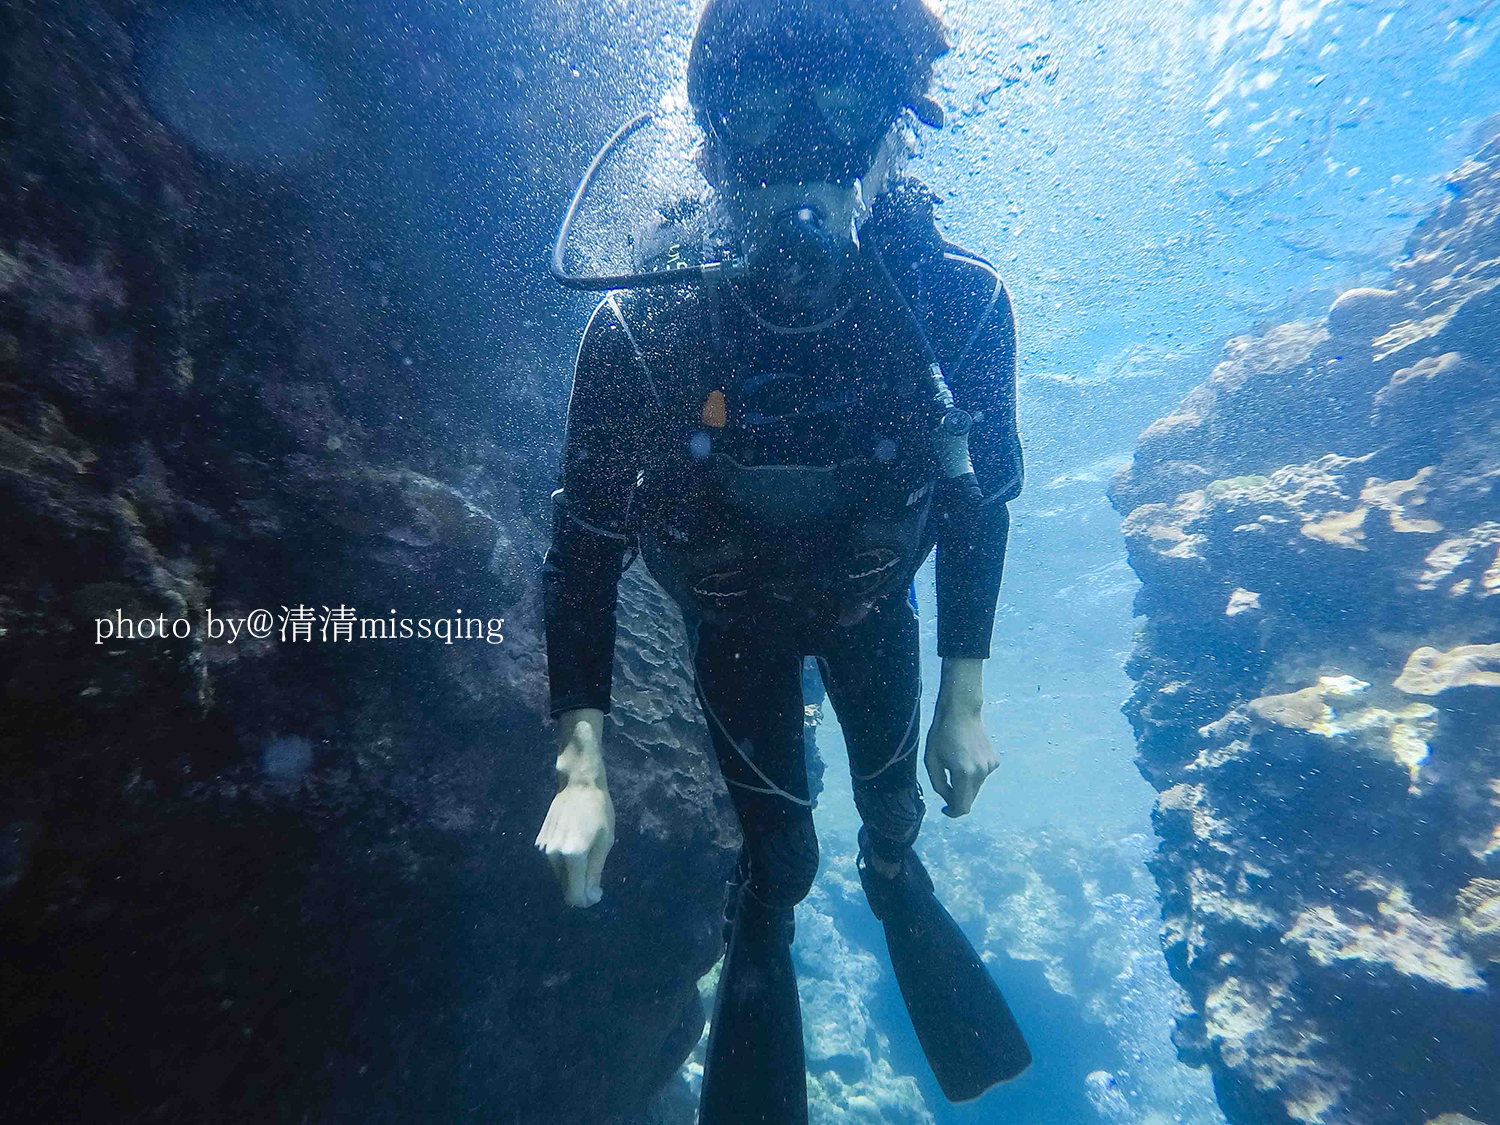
point(1162, 174)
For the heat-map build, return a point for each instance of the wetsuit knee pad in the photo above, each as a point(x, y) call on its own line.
point(892, 814)
point(783, 862)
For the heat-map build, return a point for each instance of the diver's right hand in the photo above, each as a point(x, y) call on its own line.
point(580, 826)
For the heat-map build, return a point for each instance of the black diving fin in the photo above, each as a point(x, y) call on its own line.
point(966, 1029)
point(754, 1071)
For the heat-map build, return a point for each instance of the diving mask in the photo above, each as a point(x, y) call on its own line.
point(761, 130)
point(797, 157)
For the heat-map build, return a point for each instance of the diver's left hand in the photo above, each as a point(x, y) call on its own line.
point(959, 752)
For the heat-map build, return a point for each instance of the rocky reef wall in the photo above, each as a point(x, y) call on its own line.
point(1317, 531)
point(257, 878)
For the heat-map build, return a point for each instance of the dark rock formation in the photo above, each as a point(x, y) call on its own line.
point(1317, 528)
point(257, 878)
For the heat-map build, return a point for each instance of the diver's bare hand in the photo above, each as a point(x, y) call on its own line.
point(580, 827)
point(959, 752)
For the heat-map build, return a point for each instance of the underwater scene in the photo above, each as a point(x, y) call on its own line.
point(750, 562)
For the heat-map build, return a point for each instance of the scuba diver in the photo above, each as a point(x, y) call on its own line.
point(802, 391)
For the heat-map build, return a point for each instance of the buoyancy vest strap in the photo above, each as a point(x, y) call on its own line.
point(951, 449)
point(614, 307)
point(720, 335)
point(989, 308)
point(928, 353)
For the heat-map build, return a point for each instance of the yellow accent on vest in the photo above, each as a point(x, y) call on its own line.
point(715, 414)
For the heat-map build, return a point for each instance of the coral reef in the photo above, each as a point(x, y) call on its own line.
point(1318, 695)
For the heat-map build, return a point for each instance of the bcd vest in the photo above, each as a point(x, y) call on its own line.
point(803, 475)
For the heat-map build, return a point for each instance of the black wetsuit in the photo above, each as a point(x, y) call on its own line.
point(680, 398)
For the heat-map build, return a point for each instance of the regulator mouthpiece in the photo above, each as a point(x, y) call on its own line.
point(800, 254)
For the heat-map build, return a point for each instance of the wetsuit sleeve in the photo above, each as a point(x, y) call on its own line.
point(609, 415)
point(972, 532)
